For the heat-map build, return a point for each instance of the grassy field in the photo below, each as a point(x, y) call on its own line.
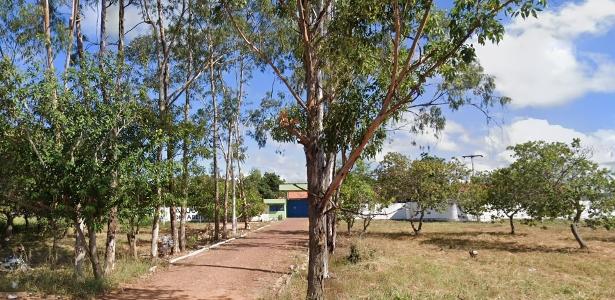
point(59, 280)
point(539, 262)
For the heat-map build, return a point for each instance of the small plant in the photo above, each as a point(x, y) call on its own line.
point(355, 255)
point(280, 217)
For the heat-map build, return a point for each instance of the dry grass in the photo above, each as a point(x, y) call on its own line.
point(59, 280)
point(539, 262)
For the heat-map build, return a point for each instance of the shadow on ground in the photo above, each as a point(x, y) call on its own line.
point(461, 243)
point(138, 294)
point(229, 267)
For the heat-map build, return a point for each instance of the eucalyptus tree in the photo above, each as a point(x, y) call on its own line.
point(176, 70)
point(385, 50)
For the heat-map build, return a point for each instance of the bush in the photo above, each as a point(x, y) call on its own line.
point(355, 255)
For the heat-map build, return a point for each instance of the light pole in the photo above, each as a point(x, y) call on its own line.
point(472, 156)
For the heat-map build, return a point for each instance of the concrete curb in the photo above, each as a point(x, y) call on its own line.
point(195, 252)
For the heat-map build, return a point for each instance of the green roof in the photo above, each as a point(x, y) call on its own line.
point(293, 187)
point(274, 201)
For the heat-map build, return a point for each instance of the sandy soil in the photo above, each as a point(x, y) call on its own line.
point(241, 269)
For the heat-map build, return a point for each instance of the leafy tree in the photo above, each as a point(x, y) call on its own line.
point(474, 194)
point(390, 50)
point(393, 176)
point(507, 193)
point(359, 199)
point(253, 204)
point(561, 181)
point(432, 185)
point(269, 186)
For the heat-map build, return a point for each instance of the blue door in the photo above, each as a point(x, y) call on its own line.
point(297, 208)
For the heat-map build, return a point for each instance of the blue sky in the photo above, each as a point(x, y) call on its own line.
point(559, 70)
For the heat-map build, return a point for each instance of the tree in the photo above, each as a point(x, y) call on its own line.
point(392, 176)
point(391, 50)
point(358, 198)
point(562, 181)
point(269, 186)
point(432, 185)
point(473, 195)
point(506, 193)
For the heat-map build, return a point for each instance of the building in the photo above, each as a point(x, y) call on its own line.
point(293, 205)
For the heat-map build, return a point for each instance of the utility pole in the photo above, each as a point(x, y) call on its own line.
point(472, 156)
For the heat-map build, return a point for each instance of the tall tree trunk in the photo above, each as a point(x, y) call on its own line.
point(319, 171)
point(173, 208)
point(71, 31)
point(53, 255)
point(366, 222)
point(186, 142)
point(227, 178)
point(331, 231)
point(132, 244)
point(8, 230)
point(512, 223)
point(214, 104)
point(163, 81)
point(93, 251)
point(47, 31)
point(174, 229)
point(111, 241)
point(246, 218)
point(234, 197)
point(155, 230)
point(112, 222)
point(349, 224)
point(26, 218)
point(131, 235)
point(234, 130)
point(80, 250)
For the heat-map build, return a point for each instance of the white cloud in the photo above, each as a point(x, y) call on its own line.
point(451, 140)
point(285, 159)
point(601, 142)
point(537, 64)
point(132, 18)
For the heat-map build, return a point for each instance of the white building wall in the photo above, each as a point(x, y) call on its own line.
point(191, 214)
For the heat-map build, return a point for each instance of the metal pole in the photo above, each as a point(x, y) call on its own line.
point(471, 157)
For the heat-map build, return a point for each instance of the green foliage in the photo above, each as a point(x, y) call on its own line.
point(430, 181)
point(507, 193)
point(560, 180)
point(355, 256)
point(474, 194)
point(357, 81)
point(358, 197)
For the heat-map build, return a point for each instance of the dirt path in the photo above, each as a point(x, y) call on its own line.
point(241, 269)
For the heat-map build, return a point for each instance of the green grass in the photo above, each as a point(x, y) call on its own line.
point(534, 264)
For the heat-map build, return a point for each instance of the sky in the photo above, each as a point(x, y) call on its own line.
point(559, 70)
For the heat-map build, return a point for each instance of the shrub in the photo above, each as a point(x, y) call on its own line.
point(355, 255)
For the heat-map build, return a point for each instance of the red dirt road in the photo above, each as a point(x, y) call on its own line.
point(245, 268)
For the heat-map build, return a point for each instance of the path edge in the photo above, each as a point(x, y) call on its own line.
point(218, 244)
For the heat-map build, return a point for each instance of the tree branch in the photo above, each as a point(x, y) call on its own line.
point(264, 57)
